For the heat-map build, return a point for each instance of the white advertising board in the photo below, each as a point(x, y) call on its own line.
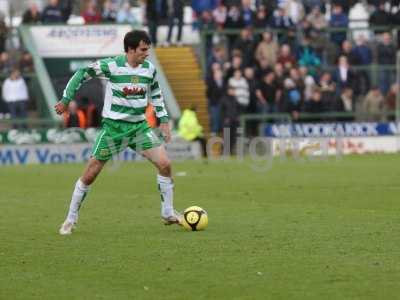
point(336, 146)
point(79, 41)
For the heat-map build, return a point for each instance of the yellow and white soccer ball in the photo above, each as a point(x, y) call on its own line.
point(195, 218)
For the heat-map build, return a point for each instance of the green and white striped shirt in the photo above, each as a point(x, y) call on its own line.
point(128, 89)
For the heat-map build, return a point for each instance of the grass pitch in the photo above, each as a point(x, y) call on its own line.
point(301, 230)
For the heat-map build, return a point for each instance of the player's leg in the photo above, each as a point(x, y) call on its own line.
point(158, 156)
point(93, 168)
point(102, 151)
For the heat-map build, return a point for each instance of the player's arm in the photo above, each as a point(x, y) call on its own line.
point(98, 69)
point(157, 100)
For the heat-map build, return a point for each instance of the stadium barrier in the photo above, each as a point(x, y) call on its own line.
point(72, 145)
point(329, 136)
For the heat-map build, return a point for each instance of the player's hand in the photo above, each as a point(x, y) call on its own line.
point(60, 108)
point(165, 131)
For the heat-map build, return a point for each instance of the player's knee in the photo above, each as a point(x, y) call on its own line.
point(91, 172)
point(88, 179)
point(164, 166)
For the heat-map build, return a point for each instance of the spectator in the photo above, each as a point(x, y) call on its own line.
point(92, 115)
point(364, 54)
point(325, 49)
point(298, 79)
point(286, 58)
point(282, 21)
point(200, 6)
point(315, 105)
point(317, 19)
point(220, 14)
point(307, 56)
point(308, 81)
point(249, 74)
point(108, 14)
point(279, 72)
point(66, 9)
point(306, 28)
point(234, 19)
point(386, 55)
point(247, 13)
point(252, 81)
point(230, 115)
point(52, 13)
point(292, 100)
point(262, 68)
point(32, 15)
point(267, 49)
point(26, 63)
point(267, 94)
point(74, 117)
point(237, 64)
point(391, 98)
point(246, 45)
point(374, 105)
point(218, 56)
point(343, 75)
point(3, 34)
point(175, 15)
point(271, 4)
point(15, 94)
point(262, 19)
point(362, 51)
point(153, 15)
point(339, 20)
point(206, 22)
point(91, 14)
point(242, 92)
point(295, 10)
point(345, 103)
point(327, 88)
point(347, 50)
point(125, 15)
point(379, 17)
point(215, 92)
point(6, 63)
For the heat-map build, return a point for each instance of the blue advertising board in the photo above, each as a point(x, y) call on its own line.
point(351, 129)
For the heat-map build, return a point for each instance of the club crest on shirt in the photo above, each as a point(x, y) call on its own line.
point(135, 79)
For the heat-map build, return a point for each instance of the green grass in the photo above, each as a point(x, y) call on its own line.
point(302, 230)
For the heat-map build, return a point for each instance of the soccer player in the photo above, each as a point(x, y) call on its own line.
point(131, 83)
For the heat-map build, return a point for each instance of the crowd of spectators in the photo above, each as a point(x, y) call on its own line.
point(287, 59)
point(16, 66)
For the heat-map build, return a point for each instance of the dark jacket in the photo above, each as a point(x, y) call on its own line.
point(339, 21)
point(340, 83)
point(52, 14)
point(176, 11)
point(215, 92)
point(386, 54)
point(28, 18)
point(230, 110)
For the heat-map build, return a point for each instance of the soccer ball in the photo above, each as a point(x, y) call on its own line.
point(195, 218)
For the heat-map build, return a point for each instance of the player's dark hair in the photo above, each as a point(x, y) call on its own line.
point(132, 39)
